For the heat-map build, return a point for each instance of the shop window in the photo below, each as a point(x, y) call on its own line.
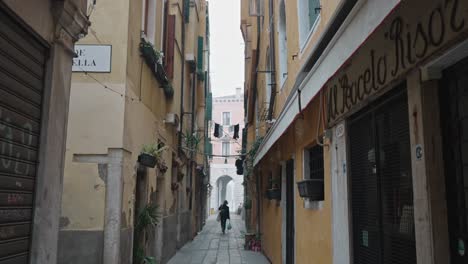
point(308, 18)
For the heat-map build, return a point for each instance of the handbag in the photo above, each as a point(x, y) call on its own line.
point(218, 218)
point(229, 226)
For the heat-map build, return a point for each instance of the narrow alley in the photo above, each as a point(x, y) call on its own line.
point(334, 131)
point(210, 246)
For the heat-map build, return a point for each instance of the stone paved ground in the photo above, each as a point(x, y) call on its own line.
point(212, 247)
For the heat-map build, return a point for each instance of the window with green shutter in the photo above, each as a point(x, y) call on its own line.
point(186, 10)
point(200, 54)
point(209, 107)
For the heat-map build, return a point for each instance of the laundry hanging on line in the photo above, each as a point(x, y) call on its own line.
point(219, 131)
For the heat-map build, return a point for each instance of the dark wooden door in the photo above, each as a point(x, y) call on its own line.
point(290, 212)
point(454, 113)
point(22, 71)
point(381, 183)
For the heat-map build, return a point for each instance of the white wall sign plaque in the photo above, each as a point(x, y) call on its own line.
point(92, 58)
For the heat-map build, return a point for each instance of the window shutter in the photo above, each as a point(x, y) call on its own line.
point(186, 10)
point(200, 54)
point(209, 107)
point(170, 41)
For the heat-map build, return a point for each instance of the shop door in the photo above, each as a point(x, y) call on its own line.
point(454, 113)
point(290, 212)
point(22, 64)
point(381, 184)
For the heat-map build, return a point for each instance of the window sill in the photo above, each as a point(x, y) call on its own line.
point(313, 205)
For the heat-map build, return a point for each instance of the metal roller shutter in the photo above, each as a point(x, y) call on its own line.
point(454, 110)
point(381, 184)
point(22, 67)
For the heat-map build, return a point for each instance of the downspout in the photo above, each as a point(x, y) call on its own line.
point(180, 151)
point(192, 131)
point(272, 61)
point(255, 98)
point(182, 79)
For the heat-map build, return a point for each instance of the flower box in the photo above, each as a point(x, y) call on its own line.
point(311, 189)
point(147, 160)
point(273, 194)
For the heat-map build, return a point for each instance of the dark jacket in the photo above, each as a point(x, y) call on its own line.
point(224, 212)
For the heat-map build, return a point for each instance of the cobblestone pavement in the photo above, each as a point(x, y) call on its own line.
point(210, 246)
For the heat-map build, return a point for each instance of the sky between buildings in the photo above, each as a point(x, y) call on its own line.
point(227, 47)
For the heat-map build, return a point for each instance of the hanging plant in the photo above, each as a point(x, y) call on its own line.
point(168, 90)
point(151, 156)
point(191, 141)
point(250, 156)
point(154, 60)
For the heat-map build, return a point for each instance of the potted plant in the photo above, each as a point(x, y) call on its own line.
point(151, 155)
point(312, 189)
point(146, 157)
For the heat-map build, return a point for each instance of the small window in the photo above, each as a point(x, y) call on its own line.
point(312, 187)
point(226, 118)
point(315, 163)
point(226, 151)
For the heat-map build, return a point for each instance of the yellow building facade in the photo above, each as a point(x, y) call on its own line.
point(140, 81)
point(360, 161)
point(279, 43)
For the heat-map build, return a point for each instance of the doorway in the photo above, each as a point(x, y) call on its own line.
point(454, 121)
point(290, 212)
point(381, 182)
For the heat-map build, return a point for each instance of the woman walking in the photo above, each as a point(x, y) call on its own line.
point(224, 215)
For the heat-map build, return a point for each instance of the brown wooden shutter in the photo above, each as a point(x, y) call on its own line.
point(170, 42)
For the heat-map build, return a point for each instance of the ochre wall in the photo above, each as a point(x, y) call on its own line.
point(313, 226)
point(95, 121)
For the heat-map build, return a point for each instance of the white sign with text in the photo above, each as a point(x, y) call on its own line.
point(92, 58)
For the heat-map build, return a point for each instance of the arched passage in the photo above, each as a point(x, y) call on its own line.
point(223, 192)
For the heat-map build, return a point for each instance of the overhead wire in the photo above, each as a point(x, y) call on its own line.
point(133, 99)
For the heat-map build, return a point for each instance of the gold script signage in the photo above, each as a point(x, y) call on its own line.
point(415, 30)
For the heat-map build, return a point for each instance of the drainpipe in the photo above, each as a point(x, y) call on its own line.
point(182, 79)
point(178, 227)
point(272, 61)
point(255, 93)
point(192, 131)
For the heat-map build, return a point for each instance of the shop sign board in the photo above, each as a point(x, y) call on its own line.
point(408, 37)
